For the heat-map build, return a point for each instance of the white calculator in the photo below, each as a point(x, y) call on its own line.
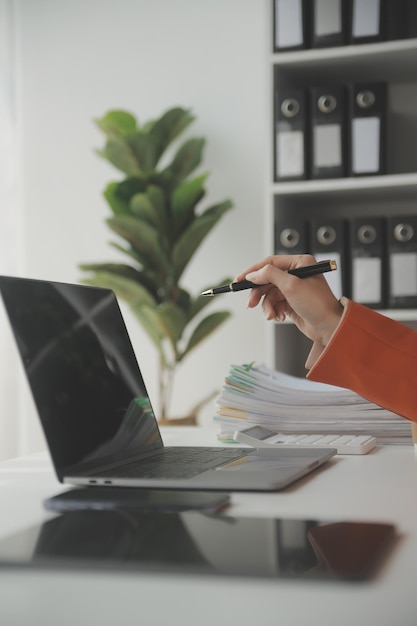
point(260, 437)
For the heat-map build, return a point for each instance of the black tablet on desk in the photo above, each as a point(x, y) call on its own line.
point(197, 543)
point(137, 500)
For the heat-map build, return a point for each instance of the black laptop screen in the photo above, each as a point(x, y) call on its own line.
point(82, 370)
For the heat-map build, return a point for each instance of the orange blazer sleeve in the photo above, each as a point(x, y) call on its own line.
point(372, 355)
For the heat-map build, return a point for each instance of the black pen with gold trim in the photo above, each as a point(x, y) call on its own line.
point(301, 272)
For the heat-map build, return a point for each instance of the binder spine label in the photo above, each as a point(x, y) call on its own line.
point(366, 133)
point(327, 142)
point(403, 274)
point(290, 154)
point(366, 272)
point(366, 18)
point(289, 24)
point(328, 17)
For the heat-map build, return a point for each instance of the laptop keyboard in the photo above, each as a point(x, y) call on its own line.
point(176, 462)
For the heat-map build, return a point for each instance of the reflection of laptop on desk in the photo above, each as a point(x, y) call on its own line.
point(94, 408)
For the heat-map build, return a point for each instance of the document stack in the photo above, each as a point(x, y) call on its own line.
point(256, 395)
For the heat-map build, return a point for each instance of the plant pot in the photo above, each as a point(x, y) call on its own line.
point(189, 420)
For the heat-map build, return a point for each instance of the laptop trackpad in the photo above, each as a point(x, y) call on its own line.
point(256, 462)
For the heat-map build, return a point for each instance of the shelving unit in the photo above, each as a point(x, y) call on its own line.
point(394, 62)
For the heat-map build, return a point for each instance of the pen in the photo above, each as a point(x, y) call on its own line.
point(302, 272)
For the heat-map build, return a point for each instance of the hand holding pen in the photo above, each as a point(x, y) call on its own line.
point(309, 303)
point(301, 272)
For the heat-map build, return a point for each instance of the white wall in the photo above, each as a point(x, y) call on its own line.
point(80, 58)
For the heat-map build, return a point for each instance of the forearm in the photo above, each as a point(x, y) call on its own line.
point(374, 356)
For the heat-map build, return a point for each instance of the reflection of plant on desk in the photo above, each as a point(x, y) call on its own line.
point(154, 210)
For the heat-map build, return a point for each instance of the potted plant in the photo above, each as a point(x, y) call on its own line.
point(154, 213)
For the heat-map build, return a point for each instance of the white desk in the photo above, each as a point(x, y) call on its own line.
point(381, 486)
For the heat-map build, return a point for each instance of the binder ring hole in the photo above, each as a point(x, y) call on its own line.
point(326, 235)
point(367, 234)
point(290, 107)
point(289, 238)
point(403, 232)
point(327, 103)
point(365, 99)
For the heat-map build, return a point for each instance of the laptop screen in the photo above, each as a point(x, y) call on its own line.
point(82, 370)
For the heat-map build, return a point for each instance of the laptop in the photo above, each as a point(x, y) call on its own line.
point(94, 409)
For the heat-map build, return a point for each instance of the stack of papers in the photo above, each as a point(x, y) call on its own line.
point(254, 394)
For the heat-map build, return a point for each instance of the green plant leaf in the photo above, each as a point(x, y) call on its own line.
point(182, 298)
point(132, 253)
point(143, 147)
point(207, 326)
point(119, 154)
point(168, 127)
point(120, 269)
point(149, 319)
point(172, 320)
point(187, 158)
point(151, 207)
point(183, 201)
point(126, 289)
point(118, 205)
point(124, 271)
point(165, 180)
point(129, 187)
point(157, 197)
point(141, 207)
point(194, 235)
point(117, 123)
point(143, 237)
